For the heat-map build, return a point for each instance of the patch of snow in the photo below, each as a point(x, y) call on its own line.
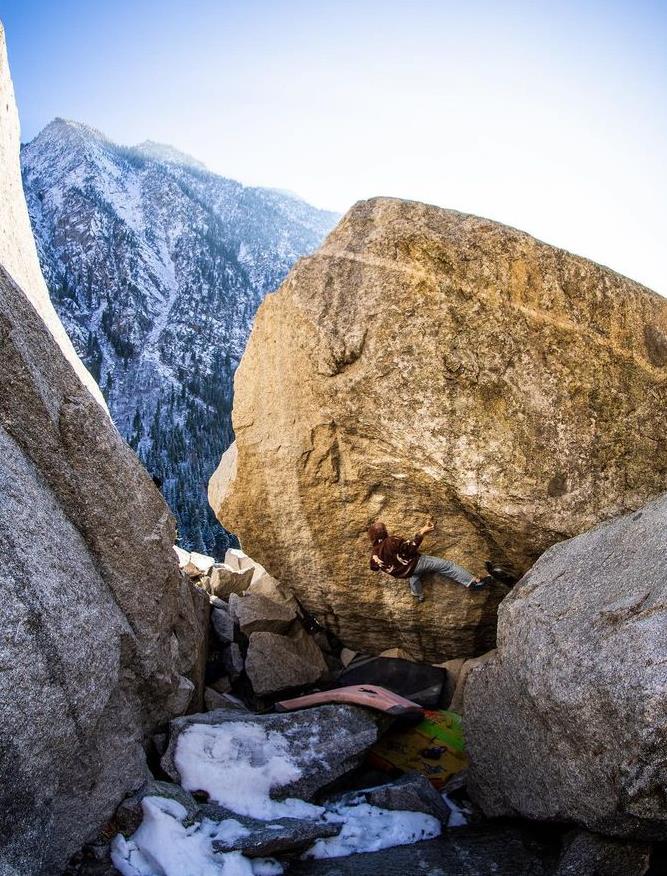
point(238, 764)
point(163, 846)
point(368, 828)
point(458, 817)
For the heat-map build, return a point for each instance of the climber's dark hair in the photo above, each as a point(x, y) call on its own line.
point(377, 532)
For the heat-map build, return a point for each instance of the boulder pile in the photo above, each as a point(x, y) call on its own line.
point(259, 644)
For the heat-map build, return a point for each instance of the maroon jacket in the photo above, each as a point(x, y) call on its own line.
point(396, 556)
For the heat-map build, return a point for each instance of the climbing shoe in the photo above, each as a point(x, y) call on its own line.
point(481, 584)
point(501, 575)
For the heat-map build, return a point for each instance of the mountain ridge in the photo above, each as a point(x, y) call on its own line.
point(156, 267)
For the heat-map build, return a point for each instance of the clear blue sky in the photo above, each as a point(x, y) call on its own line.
point(548, 116)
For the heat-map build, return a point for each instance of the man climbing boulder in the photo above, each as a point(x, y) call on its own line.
point(400, 558)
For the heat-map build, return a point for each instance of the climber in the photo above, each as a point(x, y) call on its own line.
point(400, 558)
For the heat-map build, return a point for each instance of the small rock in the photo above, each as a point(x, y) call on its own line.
point(214, 700)
point(590, 853)
point(182, 695)
point(129, 814)
point(256, 613)
point(411, 793)
point(202, 562)
point(401, 653)
point(233, 661)
point(225, 580)
point(223, 624)
point(275, 663)
point(325, 742)
point(160, 743)
point(453, 670)
point(239, 561)
point(183, 556)
point(222, 685)
point(264, 839)
point(457, 703)
point(265, 585)
point(347, 656)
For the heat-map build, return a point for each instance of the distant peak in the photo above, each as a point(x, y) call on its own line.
point(164, 152)
point(59, 124)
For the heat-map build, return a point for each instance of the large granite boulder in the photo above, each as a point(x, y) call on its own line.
point(427, 361)
point(97, 629)
point(569, 721)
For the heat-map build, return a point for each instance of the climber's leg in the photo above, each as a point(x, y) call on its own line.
point(446, 568)
point(416, 587)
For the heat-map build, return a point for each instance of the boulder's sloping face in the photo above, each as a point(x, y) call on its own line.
point(428, 361)
point(569, 721)
point(18, 253)
point(97, 629)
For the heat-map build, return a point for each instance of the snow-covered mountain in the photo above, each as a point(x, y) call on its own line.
point(156, 267)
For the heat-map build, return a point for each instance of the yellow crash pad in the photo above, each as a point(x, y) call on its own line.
point(435, 748)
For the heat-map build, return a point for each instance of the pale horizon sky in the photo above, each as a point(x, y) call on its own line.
point(548, 117)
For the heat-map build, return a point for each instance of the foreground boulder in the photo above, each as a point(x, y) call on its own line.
point(569, 721)
point(434, 362)
point(98, 628)
point(324, 743)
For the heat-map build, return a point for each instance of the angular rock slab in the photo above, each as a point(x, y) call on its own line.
point(569, 721)
point(266, 838)
point(432, 361)
point(325, 742)
point(410, 793)
point(256, 613)
point(225, 580)
point(275, 663)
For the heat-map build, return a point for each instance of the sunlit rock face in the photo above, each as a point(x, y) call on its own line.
point(18, 253)
point(98, 630)
point(427, 361)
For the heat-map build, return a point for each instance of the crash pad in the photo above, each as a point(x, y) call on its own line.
point(369, 695)
point(419, 682)
point(435, 748)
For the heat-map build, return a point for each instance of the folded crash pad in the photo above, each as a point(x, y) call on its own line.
point(435, 748)
point(418, 682)
point(369, 695)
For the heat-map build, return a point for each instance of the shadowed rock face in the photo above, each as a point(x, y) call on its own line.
point(97, 629)
point(428, 361)
point(568, 722)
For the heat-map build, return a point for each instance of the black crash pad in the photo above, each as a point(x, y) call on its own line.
point(418, 682)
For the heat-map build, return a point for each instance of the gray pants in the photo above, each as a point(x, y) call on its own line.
point(427, 564)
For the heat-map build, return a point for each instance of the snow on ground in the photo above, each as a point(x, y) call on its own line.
point(458, 816)
point(162, 846)
point(239, 764)
point(367, 828)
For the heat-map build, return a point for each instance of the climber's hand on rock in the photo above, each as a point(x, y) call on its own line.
point(429, 526)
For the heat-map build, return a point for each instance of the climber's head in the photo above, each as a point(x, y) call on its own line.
point(377, 532)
